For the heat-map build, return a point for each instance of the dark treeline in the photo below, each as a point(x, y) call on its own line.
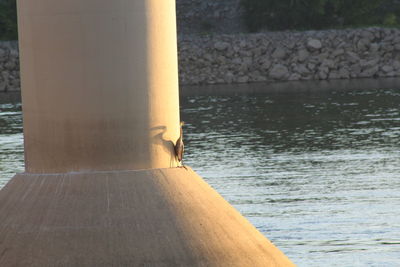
point(8, 20)
point(278, 14)
point(319, 14)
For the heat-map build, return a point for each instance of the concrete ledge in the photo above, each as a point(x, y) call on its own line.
point(161, 217)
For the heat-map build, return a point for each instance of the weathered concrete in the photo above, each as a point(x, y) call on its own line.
point(164, 217)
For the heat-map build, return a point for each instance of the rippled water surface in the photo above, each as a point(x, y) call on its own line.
point(318, 172)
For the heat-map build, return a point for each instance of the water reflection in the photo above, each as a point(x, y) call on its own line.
point(11, 141)
point(317, 171)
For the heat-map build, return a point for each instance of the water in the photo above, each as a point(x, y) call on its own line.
point(11, 140)
point(316, 171)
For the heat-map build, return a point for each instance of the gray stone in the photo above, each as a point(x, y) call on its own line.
point(311, 66)
point(3, 85)
point(279, 53)
point(3, 54)
point(367, 35)
point(329, 63)
point(10, 65)
point(374, 47)
point(294, 77)
point(314, 44)
point(344, 74)
point(387, 68)
point(338, 52)
point(322, 75)
point(209, 57)
point(365, 64)
point(248, 61)
point(363, 44)
point(302, 70)
point(14, 53)
point(355, 69)
point(279, 72)
point(265, 63)
point(396, 64)
point(369, 72)
point(221, 45)
point(334, 75)
point(243, 79)
point(352, 57)
point(237, 61)
point(302, 55)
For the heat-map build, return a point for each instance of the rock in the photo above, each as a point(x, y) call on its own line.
point(3, 85)
point(363, 44)
point(265, 63)
point(279, 53)
point(322, 75)
point(221, 46)
point(237, 61)
point(243, 79)
point(3, 54)
point(352, 57)
point(14, 53)
point(365, 64)
point(387, 68)
point(338, 52)
point(314, 44)
point(208, 57)
point(396, 64)
point(329, 63)
point(302, 55)
point(279, 72)
point(365, 34)
point(294, 77)
point(369, 72)
point(355, 69)
point(311, 66)
point(334, 75)
point(302, 70)
point(10, 65)
point(344, 74)
point(373, 48)
point(5, 75)
point(248, 61)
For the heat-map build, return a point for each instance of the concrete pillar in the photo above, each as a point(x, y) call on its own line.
point(99, 84)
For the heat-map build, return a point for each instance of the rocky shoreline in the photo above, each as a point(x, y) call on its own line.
point(290, 56)
point(9, 66)
point(261, 57)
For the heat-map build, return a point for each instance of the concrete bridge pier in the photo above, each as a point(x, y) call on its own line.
point(101, 114)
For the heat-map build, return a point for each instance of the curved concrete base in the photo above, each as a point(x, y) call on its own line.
point(160, 217)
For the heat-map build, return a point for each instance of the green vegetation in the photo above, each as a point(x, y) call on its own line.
point(8, 20)
point(319, 14)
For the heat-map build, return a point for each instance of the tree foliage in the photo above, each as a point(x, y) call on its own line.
point(318, 14)
point(8, 20)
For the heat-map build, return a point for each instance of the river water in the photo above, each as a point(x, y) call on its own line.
point(316, 171)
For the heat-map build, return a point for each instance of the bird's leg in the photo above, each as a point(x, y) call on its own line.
point(183, 165)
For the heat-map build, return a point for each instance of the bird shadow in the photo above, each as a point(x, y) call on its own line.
point(168, 145)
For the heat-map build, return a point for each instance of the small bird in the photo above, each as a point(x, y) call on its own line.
point(179, 146)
